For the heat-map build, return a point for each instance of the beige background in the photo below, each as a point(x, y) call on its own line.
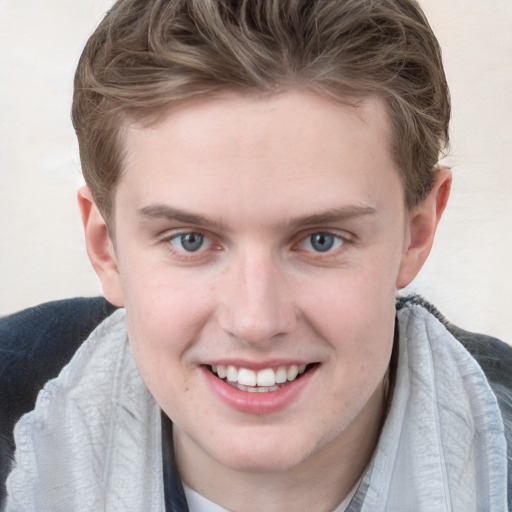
point(469, 274)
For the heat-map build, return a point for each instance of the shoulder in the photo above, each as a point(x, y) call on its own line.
point(493, 356)
point(35, 344)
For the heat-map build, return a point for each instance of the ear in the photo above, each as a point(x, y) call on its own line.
point(100, 247)
point(421, 228)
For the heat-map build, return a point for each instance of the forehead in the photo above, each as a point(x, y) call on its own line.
point(294, 113)
point(252, 152)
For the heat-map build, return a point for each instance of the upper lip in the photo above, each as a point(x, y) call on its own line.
point(257, 365)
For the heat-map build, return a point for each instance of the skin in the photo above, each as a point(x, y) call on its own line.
point(261, 175)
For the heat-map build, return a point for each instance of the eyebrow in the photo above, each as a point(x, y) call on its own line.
point(162, 211)
point(332, 215)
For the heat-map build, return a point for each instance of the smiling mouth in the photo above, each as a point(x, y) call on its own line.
point(263, 381)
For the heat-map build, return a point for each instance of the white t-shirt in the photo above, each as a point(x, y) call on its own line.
point(198, 503)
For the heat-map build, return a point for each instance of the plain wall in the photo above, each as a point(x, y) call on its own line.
point(42, 254)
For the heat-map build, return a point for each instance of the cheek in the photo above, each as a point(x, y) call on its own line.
point(355, 315)
point(165, 317)
point(159, 338)
point(162, 298)
point(355, 299)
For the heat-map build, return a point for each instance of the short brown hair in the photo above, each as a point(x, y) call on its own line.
point(147, 54)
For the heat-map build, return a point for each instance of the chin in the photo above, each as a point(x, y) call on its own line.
point(267, 452)
point(265, 463)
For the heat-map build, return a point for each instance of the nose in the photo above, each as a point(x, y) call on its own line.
point(256, 305)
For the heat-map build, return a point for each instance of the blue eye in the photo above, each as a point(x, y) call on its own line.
point(321, 242)
point(189, 242)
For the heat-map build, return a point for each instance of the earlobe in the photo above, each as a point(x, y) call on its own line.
point(100, 247)
point(422, 226)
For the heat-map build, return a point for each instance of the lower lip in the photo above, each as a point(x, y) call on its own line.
point(258, 403)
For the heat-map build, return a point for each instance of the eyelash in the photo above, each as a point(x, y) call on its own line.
point(184, 255)
point(342, 241)
point(322, 236)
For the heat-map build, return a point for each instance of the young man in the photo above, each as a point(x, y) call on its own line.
point(262, 176)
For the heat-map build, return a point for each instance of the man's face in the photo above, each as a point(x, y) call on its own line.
point(261, 237)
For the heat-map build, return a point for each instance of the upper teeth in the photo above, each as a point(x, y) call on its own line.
point(267, 377)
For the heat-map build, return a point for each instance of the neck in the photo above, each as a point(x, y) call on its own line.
point(320, 482)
